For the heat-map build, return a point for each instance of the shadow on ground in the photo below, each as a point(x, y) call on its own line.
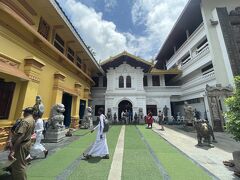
point(94, 160)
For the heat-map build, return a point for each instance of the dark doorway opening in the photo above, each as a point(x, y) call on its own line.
point(82, 108)
point(125, 105)
point(67, 101)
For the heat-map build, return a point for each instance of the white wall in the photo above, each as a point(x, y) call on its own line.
point(218, 50)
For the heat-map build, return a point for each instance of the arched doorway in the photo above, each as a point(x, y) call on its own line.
point(123, 106)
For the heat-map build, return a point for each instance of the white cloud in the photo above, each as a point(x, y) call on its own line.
point(110, 4)
point(101, 35)
point(158, 16)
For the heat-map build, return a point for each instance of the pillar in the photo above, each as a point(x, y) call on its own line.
point(76, 106)
point(32, 68)
point(59, 79)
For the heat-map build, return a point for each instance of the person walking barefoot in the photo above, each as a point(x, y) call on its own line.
point(100, 147)
point(39, 136)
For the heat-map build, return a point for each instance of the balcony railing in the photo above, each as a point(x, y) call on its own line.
point(203, 50)
point(198, 33)
point(200, 79)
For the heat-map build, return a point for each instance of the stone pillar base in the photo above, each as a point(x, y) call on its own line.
point(54, 136)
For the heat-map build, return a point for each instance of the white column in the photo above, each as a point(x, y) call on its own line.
point(149, 79)
point(162, 80)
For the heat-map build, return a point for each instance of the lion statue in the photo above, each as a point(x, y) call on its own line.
point(87, 121)
point(204, 130)
point(56, 117)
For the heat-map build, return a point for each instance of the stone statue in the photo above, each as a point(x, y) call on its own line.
point(56, 130)
point(165, 113)
point(109, 114)
point(87, 121)
point(140, 116)
point(115, 117)
point(188, 110)
point(136, 118)
point(204, 130)
point(56, 117)
point(38, 107)
point(214, 108)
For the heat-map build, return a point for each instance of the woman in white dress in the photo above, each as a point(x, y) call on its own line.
point(100, 147)
point(39, 136)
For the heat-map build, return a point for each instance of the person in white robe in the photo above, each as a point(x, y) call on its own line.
point(100, 147)
point(38, 147)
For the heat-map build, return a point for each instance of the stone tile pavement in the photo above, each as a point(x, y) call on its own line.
point(209, 158)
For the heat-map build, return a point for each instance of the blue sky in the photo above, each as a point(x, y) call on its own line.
point(112, 26)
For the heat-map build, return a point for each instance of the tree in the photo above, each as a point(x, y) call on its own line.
point(233, 114)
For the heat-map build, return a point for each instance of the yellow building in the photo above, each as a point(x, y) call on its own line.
point(41, 54)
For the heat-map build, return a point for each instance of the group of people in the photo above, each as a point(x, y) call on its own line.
point(20, 139)
point(126, 117)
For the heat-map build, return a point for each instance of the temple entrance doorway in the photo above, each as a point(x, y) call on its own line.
point(125, 105)
point(67, 102)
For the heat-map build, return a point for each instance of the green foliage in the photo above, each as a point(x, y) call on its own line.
point(233, 114)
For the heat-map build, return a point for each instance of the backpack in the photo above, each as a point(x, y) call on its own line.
point(16, 125)
point(106, 125)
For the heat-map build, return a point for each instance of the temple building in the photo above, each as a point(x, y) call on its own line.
point(41, 56)
point(131, 83)
point(196, 63)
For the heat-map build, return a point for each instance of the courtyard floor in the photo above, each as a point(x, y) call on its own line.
point(136, 153)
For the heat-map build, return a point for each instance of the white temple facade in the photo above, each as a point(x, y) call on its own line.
point(140, 88)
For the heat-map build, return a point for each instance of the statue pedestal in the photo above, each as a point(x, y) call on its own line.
point(54, 135)
point(141, 121)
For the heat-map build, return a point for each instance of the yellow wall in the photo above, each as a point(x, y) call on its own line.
point(14, 47)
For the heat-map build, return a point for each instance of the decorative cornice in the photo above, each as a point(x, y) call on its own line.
point(78, 85)
point(59, 76)
point(112, 58)
point(27, 7)
point(9, 60)
point(34, 62)
point(18, 11)
point(34, 78)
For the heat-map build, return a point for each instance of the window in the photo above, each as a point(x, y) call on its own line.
point(43, 28)
point(97, 107)
point(96, 80)
point(104, 81)
point(152, 109)
point(207, 69)
point(186, 58)
point(155, 81)
point(79, 62)
point(145, 81)
point(58, 43)
point(128, 82)
point(121, 82)
point(6, 95)
point(70, 54)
